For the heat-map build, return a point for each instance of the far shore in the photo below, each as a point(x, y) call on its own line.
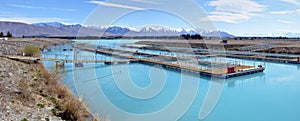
point(277, 45)
point(284, 46)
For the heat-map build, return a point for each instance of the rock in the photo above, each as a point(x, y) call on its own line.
point(10, 74)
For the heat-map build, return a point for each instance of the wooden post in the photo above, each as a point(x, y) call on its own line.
point(56, 65)
point(59, 64)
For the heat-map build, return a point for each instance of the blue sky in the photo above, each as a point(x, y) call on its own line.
point(234, 16)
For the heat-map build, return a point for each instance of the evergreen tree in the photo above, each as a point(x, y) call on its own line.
point(9, 34)
point(1, 34)
point(196, 37)
point(186, 36)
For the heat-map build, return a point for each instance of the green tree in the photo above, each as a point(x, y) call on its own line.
point(1, 34)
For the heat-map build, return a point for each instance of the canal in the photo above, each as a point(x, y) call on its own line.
point(135, 91)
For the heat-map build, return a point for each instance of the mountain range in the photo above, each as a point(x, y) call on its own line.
point(58, 29)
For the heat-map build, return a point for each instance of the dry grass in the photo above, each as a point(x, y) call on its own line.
point(1, 86)
point(48, 85)
point(68, 107)
point(25, 93)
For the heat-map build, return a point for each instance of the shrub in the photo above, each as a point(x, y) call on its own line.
point(41, 105)
point(24, 119)
point(31, 50)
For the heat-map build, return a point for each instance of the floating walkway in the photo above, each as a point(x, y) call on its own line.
point(36, 60)
point(88, 61)
point(277, 59)
point(170, 62)
point(23, 59)
point(235, 71)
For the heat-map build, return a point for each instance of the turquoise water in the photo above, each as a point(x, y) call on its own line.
point(269, 96)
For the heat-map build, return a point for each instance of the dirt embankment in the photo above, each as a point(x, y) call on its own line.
point(21, 94)
point(29, 92)
point(286, 50)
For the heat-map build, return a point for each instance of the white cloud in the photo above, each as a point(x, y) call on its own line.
point(290, 30)
point(282, 12)
point(284, 22)
point(43, 8)
point(234, 11)
point(144, 1)
point(226, 17)
point(7, 14)
point(237, 6)
point(295, 2)
point(114, 5)
point(286, 12)
point(31, 20)
point(19, 6)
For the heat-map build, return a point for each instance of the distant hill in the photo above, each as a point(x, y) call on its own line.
point(59, 29)
point(216, 34)
point(20, 29)
point(287, 34)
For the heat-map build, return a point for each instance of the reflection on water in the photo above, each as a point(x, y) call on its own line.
point(246, 80)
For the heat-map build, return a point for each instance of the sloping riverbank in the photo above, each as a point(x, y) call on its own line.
point(19, 97)
point(29, 92)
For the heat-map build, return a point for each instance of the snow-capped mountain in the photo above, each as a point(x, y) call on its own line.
point(55, 24)
point(117, 30)
point(288, 34)
point(59, 29)
point(142, 31)
point(158, 31)
point(221, 34)
point(49, 24)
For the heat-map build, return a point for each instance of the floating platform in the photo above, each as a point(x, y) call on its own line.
point(276, 59)
point(238, 70)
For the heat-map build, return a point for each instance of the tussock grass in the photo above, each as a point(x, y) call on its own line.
point(67, 106)
point(25, 93)
point(48, 85)
point(1, 87)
